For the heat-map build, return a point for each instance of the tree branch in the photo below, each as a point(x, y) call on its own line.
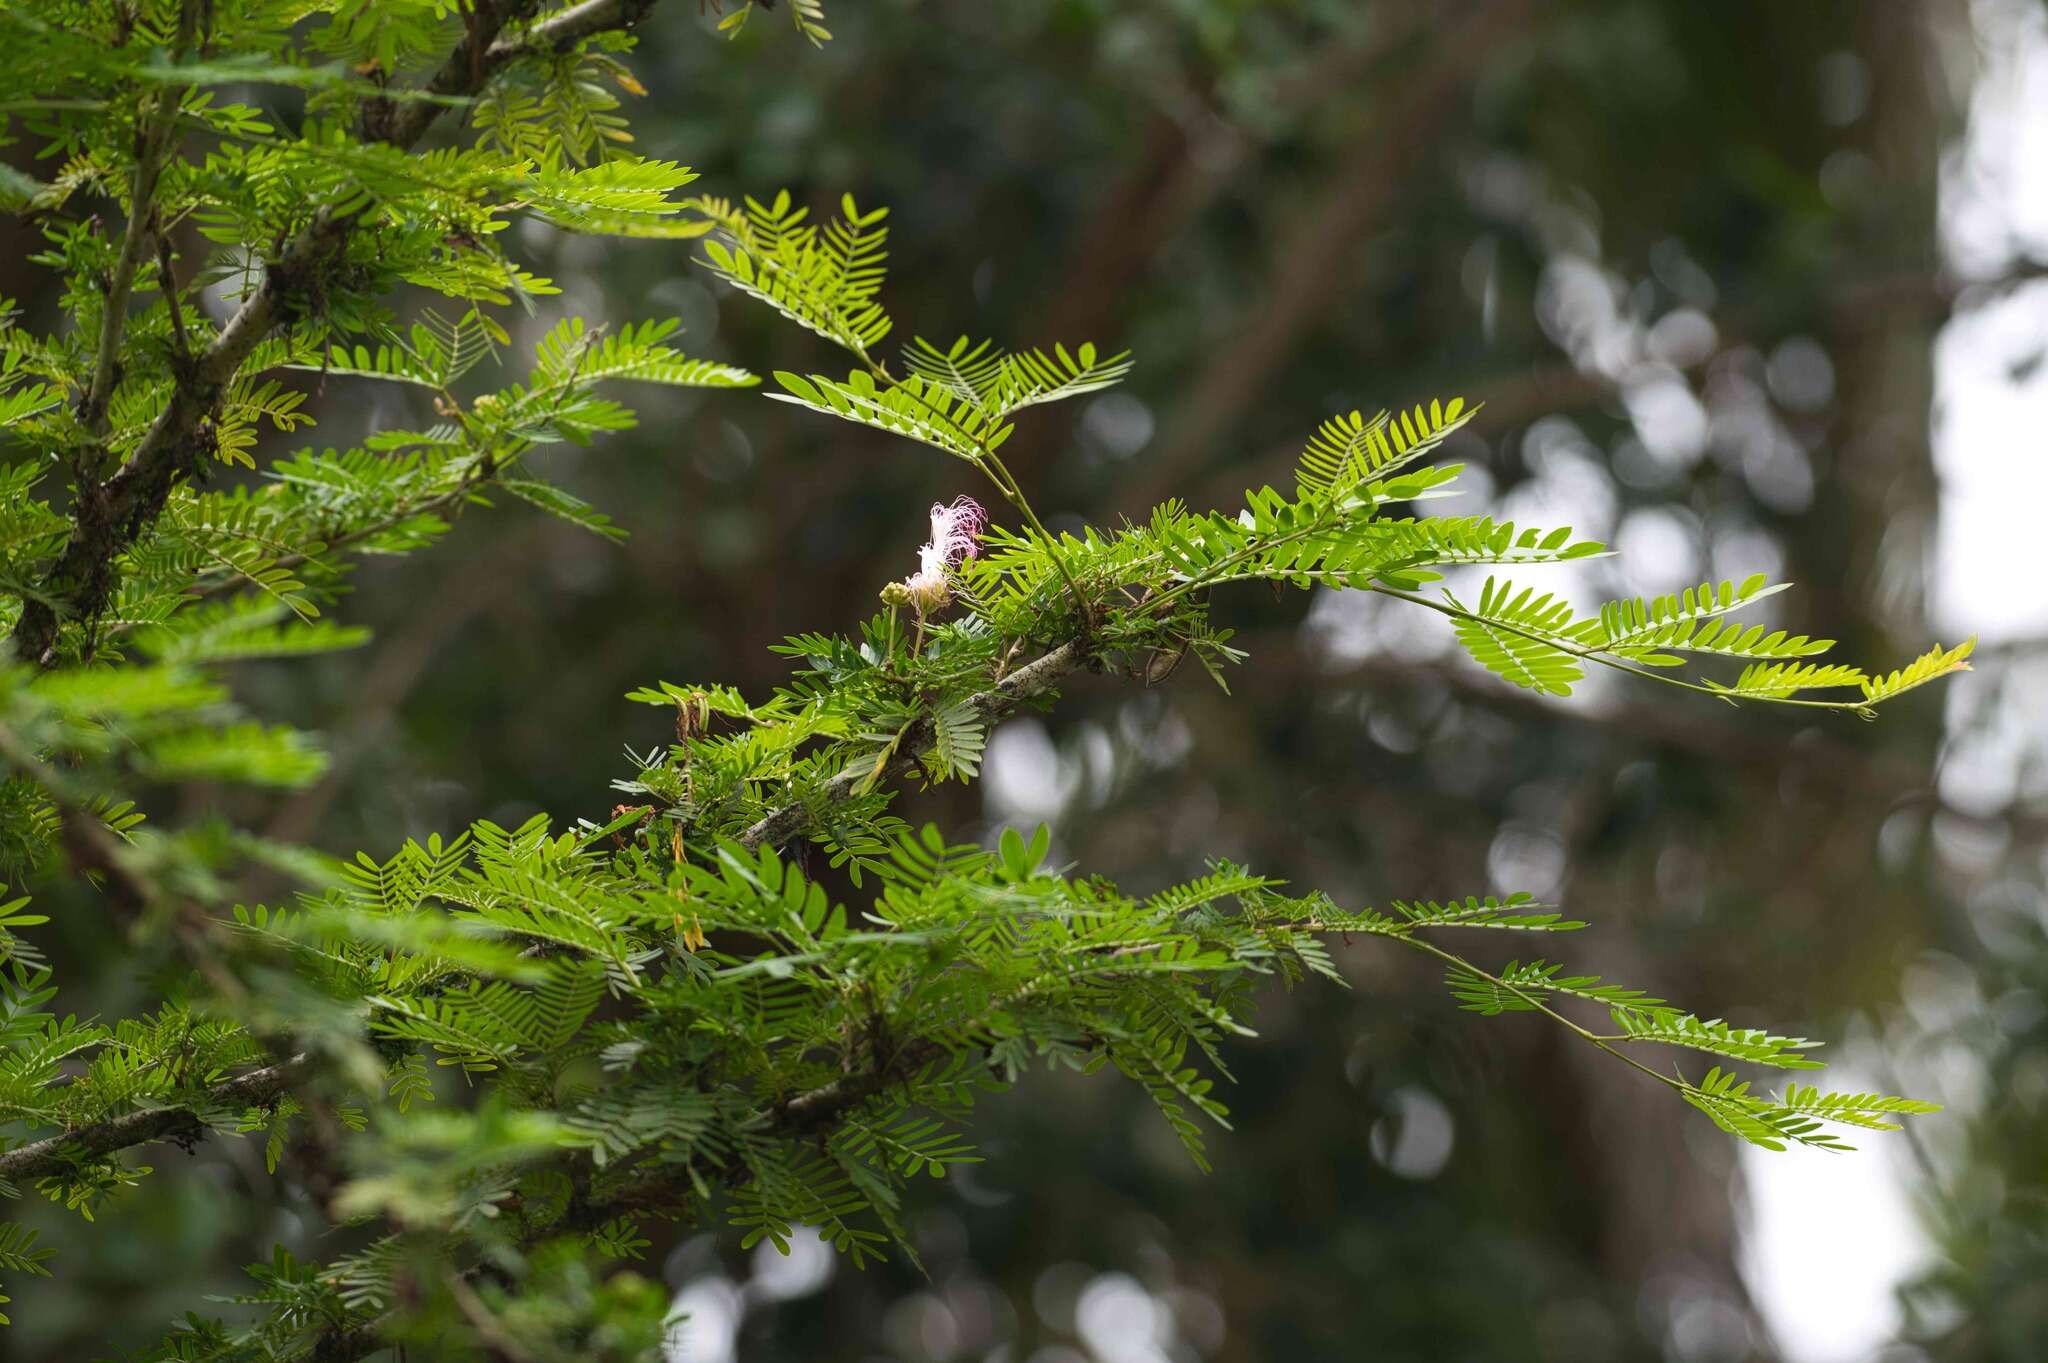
point(57, 1154)
point(112, 515)
point(564, 29)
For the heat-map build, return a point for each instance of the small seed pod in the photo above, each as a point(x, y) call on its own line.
point(1163, 662)
point(693, 713)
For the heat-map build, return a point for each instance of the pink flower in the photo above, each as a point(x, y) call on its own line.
point(956, 537)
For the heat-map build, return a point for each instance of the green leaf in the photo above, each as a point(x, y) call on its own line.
point(1349, 450)
point(1511, 634)
point(1715, 1037)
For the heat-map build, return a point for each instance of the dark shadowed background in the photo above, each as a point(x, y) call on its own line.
point(1743, 286)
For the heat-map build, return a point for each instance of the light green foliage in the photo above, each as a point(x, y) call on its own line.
point(807, 15)
point(823, 279)
point(516, 1044)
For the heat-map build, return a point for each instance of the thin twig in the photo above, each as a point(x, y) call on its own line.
point(152, 146)
point(1027, 682)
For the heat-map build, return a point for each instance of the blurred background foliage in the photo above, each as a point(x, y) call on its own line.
point(1698, 261)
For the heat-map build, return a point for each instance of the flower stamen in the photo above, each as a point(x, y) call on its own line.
point(956, 537)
